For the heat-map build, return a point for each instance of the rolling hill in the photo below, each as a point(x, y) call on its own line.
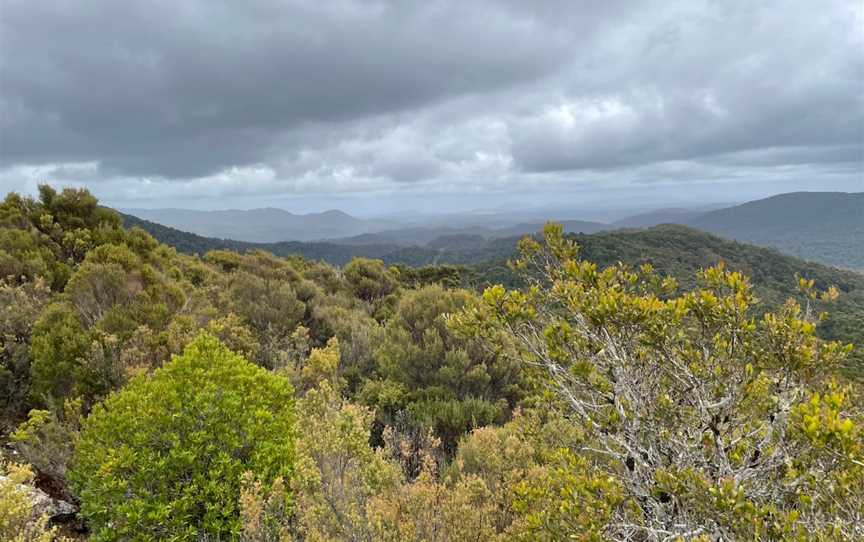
point(827, 227)
point(657, 217)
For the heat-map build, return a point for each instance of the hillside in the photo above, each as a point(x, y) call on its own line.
point(432, 235)
point(674, 250)
point(333, 253)
point(263, 225)
point(412, 380)
point(446, 246)
point(827, 227)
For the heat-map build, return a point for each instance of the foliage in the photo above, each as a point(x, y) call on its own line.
point(675, 251)
point(264, 510)
point(19, 522)
point(695, 407)
point(429, 510)
point(19, 308)
point(589, 401)
point(369, 279)
point(59, 344)
point(47, 439)
point(41, 238)
point(338, 474)
point(438, 380)
point(163, 457)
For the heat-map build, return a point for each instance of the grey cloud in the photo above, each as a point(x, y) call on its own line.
point(730, 80)
point(183, 89)
point(285, 96)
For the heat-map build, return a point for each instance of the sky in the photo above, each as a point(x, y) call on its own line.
point(397, 106)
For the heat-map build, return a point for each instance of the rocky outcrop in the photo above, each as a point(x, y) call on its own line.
point(44, 504)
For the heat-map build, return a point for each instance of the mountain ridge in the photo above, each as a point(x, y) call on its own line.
point(826, 227)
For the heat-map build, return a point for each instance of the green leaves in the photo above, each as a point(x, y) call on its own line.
point(439, 379)
point(164, 457)
point(706, 419)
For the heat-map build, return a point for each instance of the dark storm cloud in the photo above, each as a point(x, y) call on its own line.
point(226, 97)
point(185, 88)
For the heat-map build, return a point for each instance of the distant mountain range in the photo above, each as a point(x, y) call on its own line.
point(827, 227)
point(269, 225)
point(660, 216)
point(420, 236)
point(263, 225)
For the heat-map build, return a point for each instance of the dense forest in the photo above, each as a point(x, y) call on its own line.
point(613, 386)
point(675, 251)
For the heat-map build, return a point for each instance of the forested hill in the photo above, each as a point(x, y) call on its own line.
point(676, 251)
point(191, 243)
point(822, 226)
point(459, 249)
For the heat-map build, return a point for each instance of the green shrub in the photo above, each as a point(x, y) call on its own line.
point(164, 457)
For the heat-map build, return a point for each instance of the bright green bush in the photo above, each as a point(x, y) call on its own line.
point(163, 458)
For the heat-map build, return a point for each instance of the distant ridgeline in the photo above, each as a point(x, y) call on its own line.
point(827, 227)
point(676, 251)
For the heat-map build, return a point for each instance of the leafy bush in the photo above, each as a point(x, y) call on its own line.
point(438, 380)
point(164, 457)
point(715, 424)
point(369, 279)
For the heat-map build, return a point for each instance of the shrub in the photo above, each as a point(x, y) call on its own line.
point(20, 520)
point(369, 279)
point(709, 423)
point(164, 457)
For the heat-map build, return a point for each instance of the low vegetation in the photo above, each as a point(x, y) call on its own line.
point(239, 395)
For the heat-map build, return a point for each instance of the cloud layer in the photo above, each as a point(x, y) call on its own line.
point(162, 100)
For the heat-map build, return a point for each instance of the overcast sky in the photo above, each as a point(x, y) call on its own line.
point(376, 104)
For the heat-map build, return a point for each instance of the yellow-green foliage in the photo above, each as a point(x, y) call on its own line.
point(47, 439)
point(370, 280)
point(444, 382)
point(20, 306)
point(428, 509)
point(338, 474)
point(703, 419)
point(163, 458)
point(19, 522)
